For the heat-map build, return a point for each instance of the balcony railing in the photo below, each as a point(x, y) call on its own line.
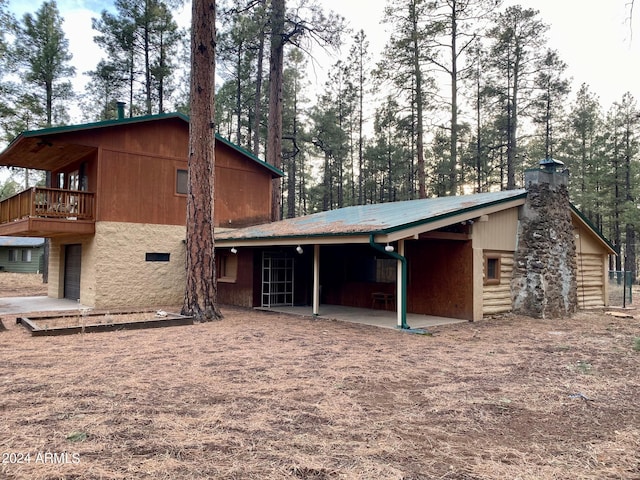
point(48, 203)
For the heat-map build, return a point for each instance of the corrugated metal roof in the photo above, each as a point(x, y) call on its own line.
point(24, 242)
point(375, 218)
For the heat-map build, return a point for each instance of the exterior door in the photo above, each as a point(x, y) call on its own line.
point(72, 264)
point(277, 279)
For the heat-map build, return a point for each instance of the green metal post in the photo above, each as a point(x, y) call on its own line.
point(403, 298)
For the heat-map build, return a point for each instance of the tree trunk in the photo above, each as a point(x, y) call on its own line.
point(200, 298)
point(453, 168)
point(257, 106)
point(512, 132)
point(274, 130)
point(422, 189)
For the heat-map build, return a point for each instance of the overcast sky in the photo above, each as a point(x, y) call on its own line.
point(593, 37)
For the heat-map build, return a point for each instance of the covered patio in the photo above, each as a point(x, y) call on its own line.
point(366, 316)
point(388, 262)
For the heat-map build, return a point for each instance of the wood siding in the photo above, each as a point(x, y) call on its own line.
point(242, 190)
point(133, 169)
point(591, 280)
point(440, 280)
point(240, 291)
point(497, 298)
point(498, 231)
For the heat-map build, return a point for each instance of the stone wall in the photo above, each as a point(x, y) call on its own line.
point(544, 274)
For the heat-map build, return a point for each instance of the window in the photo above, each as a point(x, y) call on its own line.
point(26, 255)
point(74, 180)
point(386, 270)
point(227, 267)
point(157, 257)
point(182, 181)
point(492, 269)
point(13, 255)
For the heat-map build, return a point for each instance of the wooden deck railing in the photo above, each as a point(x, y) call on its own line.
point(48, 203)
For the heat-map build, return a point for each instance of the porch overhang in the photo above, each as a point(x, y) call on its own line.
point(42, 152)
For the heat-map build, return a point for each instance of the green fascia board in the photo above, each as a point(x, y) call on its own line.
point(593, 228)
point(100, 124)
point(250, 155)
point(144, 118)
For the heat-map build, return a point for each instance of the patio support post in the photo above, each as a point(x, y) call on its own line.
point(402, 280)
point(316, 280)
point(401, 287)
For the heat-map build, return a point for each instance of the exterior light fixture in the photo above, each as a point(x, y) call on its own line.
point(234, 250)
point(299, 249)
point(388, 248)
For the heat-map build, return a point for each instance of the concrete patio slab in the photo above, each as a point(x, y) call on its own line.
point(365, 316)
point(36, 304)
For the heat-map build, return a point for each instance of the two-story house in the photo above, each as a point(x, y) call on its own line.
point(115, 209)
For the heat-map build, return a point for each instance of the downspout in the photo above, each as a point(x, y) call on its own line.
point(403, 297)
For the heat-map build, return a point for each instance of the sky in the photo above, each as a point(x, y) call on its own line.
point(594, 38)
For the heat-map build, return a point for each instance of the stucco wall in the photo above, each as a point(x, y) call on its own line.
point(123, 276)
point(87, 273)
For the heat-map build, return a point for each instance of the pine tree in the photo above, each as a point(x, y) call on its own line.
point(517, 40)
point(141, 41)
point(42, 52)
point(200, 299)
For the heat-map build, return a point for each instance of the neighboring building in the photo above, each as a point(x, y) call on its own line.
point(116, 208)
point(21, 255)
point(449, 256)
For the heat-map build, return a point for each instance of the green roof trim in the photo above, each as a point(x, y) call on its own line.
point(101, 124)
point(593, 228)
point(249, 154)
point(144, 118)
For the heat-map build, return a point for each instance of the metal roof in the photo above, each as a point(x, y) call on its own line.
point(381, 218)
point(24, 242)
point(27, 134)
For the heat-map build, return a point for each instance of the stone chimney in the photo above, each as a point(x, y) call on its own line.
point(544, 277)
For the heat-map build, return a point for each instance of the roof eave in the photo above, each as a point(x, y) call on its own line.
point(593, 229)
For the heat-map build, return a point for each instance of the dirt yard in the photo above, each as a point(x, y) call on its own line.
point(267, 396)
point(21, 285)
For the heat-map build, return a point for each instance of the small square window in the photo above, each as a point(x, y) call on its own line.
point(491, 270)
point(182, 181)
point(13, 255)
point(26, 256)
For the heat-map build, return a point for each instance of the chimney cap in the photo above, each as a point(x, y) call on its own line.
point(120, 108)
point(550, 164)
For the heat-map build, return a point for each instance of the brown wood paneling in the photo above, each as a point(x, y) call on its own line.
point(440, 278)
point(242, 190)
point(139, 186)
point(132, 168)
point(241, 291)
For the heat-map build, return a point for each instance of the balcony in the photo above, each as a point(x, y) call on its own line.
point(48, 212)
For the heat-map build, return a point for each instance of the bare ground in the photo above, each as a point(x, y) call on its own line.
point(267, 396)
point(21, 285)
